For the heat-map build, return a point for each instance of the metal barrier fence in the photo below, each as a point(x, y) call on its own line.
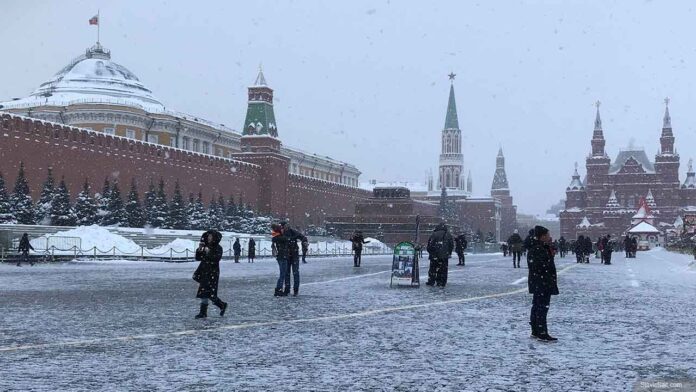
point(52, 252)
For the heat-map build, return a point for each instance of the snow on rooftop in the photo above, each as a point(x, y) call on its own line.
point(643, 227)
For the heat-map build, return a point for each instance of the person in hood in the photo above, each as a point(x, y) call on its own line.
point(237, 248)
point(542, 282)
point(515, 243)
point(207, 274)
point(440, 247)
point(24, 248)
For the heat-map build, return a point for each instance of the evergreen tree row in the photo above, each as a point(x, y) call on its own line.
point(109, 208)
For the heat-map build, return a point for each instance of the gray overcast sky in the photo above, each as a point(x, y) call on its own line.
point(366, 81)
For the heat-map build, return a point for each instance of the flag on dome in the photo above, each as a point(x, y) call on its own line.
point(94, 20)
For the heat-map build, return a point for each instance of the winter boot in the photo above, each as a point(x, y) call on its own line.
point(547, 338)
point(295, 292)
point(278, 293)
point(220, 304)
point(204, 311)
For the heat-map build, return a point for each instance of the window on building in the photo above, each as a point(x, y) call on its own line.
point(218, 152)
point(110, 131)
point(130, 133)
point(185, 143)
point(153, 138)
point(196, 145)
point(172, 142)
point(206, 148)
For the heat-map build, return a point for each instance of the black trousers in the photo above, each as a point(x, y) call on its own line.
point(460, 256)
point(607, 258)
point(437, 273)
point(540, 308)
point(236, 258)
point(357, 255)
point(516, 255)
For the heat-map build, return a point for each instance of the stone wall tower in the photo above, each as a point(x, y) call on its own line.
point(597, 164)
point(500, 189)
point(260, 145)
point(451, 157)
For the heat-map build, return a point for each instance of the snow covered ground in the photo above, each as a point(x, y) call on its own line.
point(128, 325)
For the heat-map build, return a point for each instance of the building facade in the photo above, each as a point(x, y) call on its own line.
point(611, 193)
point(94, 92)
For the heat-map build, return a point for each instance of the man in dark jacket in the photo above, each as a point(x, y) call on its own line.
point(580, 249)
point(627, 246)
point(280, 244)
point(237, 248)
point(23, 248)
point(607, 249)
point(292, 237)
point(207, 274)
point(588, 249)
point(460, 245)
point(252, 251)
point(515, 243)
point(542, 282)
point(563, 246)
point(440, 247)
point(358, 240)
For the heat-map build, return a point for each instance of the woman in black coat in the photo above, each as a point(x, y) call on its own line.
point(542, 282)
point(207, 274)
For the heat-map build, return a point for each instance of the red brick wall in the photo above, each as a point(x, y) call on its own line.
point(310, 200)
point(76, 154)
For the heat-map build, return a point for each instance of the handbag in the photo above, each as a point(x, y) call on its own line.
point(197, 274)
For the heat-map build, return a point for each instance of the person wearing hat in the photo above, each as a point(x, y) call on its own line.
point(207, 274)
point(542, 282)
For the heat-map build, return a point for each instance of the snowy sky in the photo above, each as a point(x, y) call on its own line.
point(362, 81)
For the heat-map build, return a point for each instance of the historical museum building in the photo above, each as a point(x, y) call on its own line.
point(608, 200)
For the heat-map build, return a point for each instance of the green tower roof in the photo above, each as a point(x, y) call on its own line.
point(260, 118)
point(451, 120)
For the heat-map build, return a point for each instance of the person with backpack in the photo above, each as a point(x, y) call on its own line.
point(24, 248)
point(237, 248)
point(440, 247)
point(252, 251)
point(516, 244)
point(207, 274)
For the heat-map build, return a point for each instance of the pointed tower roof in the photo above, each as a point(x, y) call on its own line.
point(575, 183)
point(598, 118)
point(667, 120)
point(613, 202)
point(690, 182)
point(260, 117)
point(500, 181)
point(650, 200)
point(260, 79)
point(451, 120)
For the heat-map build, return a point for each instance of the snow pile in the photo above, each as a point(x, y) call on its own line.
point(178, 246)
point(90, 237)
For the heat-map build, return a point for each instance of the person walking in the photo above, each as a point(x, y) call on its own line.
point(459, 247)
point(516, 243)
point(588, 249)
point(627, 246)
point(440, 247)
point(252, 251)
point(542, 282)
point(237, 248)
point(305, 248)
point(357, 240)
point(607, 249)
point(563, 246)
point(24, 248)
point(292, 237)
point(634, 247)
point(207, 274)
point(580, 249)
point(280, 243)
